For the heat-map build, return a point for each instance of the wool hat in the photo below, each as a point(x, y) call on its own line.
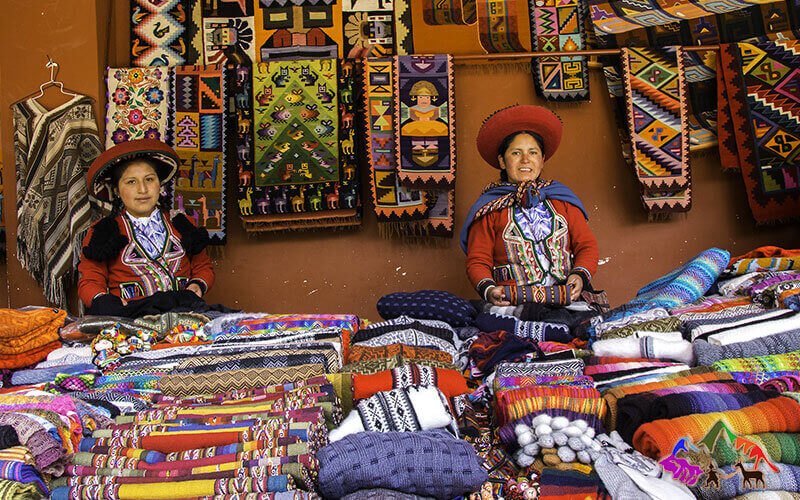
point(517, 118)
point(163, 156)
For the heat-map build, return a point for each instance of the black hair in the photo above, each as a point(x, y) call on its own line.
point(501, 151)
point(116, 175)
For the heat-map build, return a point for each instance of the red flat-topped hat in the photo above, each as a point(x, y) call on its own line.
point(517, 118)
point(164, 157)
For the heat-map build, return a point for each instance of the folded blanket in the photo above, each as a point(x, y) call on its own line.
point(657, 439)
point(407, 352)
point(430, 463)
point(645, 347)
point(513, 404)
point(732, 484)
point(779, 343)
point(632, 317)
point(450, 382)
point(780, 447)
point(783, 383)
point(789, 361)
point(670, 324)
point(401, 410)
point(755, 330)
point(184, 385)
point(569, 481)
point(639, 409)
point(703, 327)
point(533, 330)
point(712, 304)
point(433, 328)
point(489, 349)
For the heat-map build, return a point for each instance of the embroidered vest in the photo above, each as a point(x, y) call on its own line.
point(524, 266)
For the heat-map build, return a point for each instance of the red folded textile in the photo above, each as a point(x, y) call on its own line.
point(450, 382)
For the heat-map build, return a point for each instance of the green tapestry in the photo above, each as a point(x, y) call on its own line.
point(295, 107)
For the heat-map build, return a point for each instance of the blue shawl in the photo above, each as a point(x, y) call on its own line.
point(553, 190)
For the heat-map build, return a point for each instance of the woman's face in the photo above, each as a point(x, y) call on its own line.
point(139, 189)
point(523, 160)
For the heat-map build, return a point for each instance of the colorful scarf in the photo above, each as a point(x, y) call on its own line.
point(138, 102)
point(656, 112)
point(558, 28)
point(497, 196)
point(184, 385)
point(761, 117)
point(778, 343)
point(52, 150)
point(198, 100)
point(165, 33)
point(497, 24)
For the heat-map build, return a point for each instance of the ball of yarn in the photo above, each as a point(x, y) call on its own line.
point(521, 429)
point(559, 423)
point(586, 440)
point(543, 418)
point(546, 441)
point(566, 454)
point(572, 431)
point(580, 424)
point(525, 460)
point(531, 449)
point(576, 444)
point(543, 429)
point(526, 438)
point(590, 432)
point(584, 457)
point(560, 438)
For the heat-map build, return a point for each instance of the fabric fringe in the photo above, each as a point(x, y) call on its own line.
point(262, 224)
point(484, 67)
point(663, 216)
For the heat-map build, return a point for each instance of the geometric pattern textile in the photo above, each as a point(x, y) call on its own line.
point(298, 29)
point(654, 83)
point(559, 27)
point(198, 98)
point(164, 33)
point(762, 98)
point(137, 104)
point(437, 12)
point(497, 25)
point(613, 16)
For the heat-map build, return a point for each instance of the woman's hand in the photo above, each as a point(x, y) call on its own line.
point(194, 287)
point(497, 296)
point(576, 287)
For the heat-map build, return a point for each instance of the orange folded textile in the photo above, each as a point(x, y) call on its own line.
point(28, 358)
point(657, 439)
point(22, 331)
point(450, 382)
point(767, 251)
point(407, 352)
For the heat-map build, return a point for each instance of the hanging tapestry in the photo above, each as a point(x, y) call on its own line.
point(304, 171)
point(497, 24)
point(137, 102)
point(656, 114)
point(393, 203)
point(424, 122)
point(221, 35)
point(165, 33)
point(368, 28)
point(198, 121)
point(437, 12)
point(227, 8)
point(53, 149)
point(611, 16)
point(403, 38)
point(762, 82)
point(558, 28)
point(441, 214)
point(299, 29)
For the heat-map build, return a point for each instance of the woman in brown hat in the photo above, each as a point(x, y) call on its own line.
point(525, 233)
point(137, 250)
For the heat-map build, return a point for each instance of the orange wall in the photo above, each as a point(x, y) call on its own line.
point(347, 271)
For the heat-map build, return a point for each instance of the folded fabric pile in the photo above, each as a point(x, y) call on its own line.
point(28, 336)
point(257, 441)
point(409, 331)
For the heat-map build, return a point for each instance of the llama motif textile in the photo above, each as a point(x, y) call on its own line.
point(760, 122)
point(198, 98)
point(165, 33)
point(612, 16)
point(53, 149)
point(497, 25)
point(656, 113)
point(555, 28)
point(424, 122)
point(298, 29)
point(138, 101)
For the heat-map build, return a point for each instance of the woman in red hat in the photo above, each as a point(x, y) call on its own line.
point(525, 232)
point(137, 250)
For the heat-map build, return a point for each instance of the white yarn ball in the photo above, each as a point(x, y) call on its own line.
point(572, 431)
point(543, 429)
point(559, 423)
point(543, 418)
point(596, 446)
point(584, 457)
point(576, 444)
point(566, 454)
point(580, 424)
point(525, 460)
point(531, 449)
point(524, 439)
point(586, 440)
point(521, 429)
point(560, 438)
point(590, 432)
point(546, 441)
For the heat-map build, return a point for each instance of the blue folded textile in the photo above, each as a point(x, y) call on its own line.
point(42, 375)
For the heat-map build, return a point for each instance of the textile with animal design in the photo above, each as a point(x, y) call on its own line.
point(424, 121)
point(198, 100)
point(301, 29)
point(654, 84)
point(497, 24)
point(165, 33)
point(137, 102)
point(759, 94)
point(555, 28)
point(392, 202)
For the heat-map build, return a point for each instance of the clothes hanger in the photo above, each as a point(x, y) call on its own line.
point(53, 67)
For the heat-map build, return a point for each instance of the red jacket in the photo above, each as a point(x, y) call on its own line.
point(132, 274)
point(495, 251)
